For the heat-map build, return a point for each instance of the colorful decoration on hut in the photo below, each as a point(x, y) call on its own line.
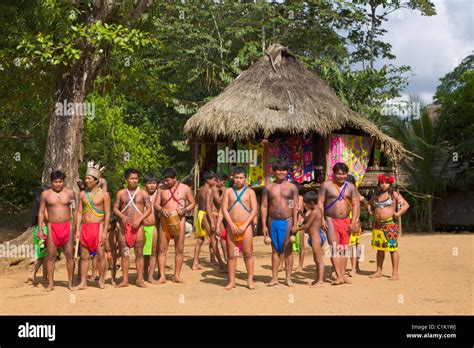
point(308, 167)
point(353, 150)
point(256, 172)
point(298, 152)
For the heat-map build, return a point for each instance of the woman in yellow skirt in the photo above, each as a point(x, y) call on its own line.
point(383, 207)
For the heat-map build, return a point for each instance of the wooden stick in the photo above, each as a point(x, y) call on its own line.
point(76, 251)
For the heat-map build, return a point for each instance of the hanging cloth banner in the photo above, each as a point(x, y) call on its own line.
point(353, 150)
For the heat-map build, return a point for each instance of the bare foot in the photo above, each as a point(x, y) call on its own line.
point(334, 275)
point(299, 269)
point(377, 274)
point(122, 285)
point(140, 283)
point(230, 286)
point(49, 288)
point(101, 285)
point(80, 286)
point(31, 280)
point(196, 266)
point(315, 284)
point(289, 283)
point(161, 280)
point(250, 285)
point(394, 277)
point(347, 281)
point(151, 280)
point(338, 281)
point(273, 282)
point(177, 279)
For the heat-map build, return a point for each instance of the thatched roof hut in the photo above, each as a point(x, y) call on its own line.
point(278, 94)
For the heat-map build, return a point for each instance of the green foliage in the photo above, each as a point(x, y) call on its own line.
point(365, 91)
point(427, 172)
point(160, 71)
point(119, 143)
point(455, 96)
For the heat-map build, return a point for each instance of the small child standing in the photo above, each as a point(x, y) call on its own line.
point(312, 225)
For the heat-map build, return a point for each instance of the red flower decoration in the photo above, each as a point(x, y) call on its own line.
point(388, 179)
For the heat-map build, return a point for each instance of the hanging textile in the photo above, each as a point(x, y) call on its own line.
point(272, 156)
point(353, 150)
point(256, 170)
point(308, 167)
point(290, 150)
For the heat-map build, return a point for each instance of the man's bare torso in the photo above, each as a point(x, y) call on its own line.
point(340, 209)
point(58, 205)
point(98, 202)
point(280, 200)
point(138, 201)
point(169, 203)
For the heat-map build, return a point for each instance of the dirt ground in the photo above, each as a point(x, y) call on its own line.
point(436, 277)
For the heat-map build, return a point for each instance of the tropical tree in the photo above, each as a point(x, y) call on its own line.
point(427, 169)
point(455, 98)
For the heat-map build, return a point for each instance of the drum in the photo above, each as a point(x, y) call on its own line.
point(174, 222)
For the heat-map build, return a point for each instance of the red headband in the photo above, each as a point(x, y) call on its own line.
point(389, 179)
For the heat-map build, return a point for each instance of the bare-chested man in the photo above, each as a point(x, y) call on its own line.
point(206, 220)
point(173, 197)
point(150, 248)
point(239, 207)
point(132, 206)
point(58, 201)
point(337, 198)
point(383, 207)
point(92, 224)
point(279, 216)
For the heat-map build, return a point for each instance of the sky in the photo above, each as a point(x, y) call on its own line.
point(432, 46)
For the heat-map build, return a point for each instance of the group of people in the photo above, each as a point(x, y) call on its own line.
point(147, 219)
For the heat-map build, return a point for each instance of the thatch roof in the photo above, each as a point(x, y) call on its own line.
point(278, 94)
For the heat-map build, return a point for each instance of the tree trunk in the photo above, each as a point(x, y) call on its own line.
point(72, 85)
point(372, 34)
point(65, 129)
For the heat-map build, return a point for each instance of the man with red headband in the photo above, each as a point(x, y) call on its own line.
point(383, 207)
